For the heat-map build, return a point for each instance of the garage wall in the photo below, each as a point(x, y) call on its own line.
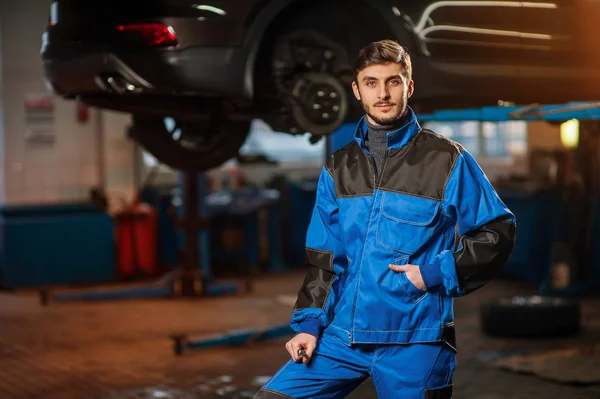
point(118, 158)
point(543, 136)
point(48, 155)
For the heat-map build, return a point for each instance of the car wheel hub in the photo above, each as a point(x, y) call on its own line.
point(325, 103)
point(320, 103)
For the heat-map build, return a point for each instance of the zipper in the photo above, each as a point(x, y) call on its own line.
point(362, 257)
point(385, 156)
point(376, 185)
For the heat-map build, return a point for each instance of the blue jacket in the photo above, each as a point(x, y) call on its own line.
point(429, 189)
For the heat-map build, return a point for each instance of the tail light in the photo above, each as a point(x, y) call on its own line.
point(154, 33)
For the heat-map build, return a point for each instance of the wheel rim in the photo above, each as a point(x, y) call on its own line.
point(307, 67)
point(320, 103)
point(190, 145)
point(187, 137)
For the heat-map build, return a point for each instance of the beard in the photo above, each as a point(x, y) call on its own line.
point(390, 117)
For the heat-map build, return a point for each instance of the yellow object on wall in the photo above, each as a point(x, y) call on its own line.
point(569, 133)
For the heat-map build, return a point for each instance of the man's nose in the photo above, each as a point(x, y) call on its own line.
point(383, 92)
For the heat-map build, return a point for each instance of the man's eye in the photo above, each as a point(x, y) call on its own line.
point(395, 82)
point(370, 83)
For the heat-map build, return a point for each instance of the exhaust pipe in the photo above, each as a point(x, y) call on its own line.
point(101, 84)
point(114, 83)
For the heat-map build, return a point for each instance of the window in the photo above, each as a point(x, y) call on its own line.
point(486, 139)
point(283, 148)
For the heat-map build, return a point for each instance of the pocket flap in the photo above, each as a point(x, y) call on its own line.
point(410, 210)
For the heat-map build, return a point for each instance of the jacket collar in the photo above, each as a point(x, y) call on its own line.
point(396, 139)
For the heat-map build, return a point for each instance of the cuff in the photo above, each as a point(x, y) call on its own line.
point(310, 326)
point(432, 276)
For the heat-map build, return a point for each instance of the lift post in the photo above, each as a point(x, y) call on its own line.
point(196, 277)
point(192, 279)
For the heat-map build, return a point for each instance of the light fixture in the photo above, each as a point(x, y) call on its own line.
point(569, 133)
point(213, 9)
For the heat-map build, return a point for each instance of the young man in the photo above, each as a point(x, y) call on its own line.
point(383, 267)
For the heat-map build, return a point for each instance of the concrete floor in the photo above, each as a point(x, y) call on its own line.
point(122, 349)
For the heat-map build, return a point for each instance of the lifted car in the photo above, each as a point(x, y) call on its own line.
point(215, 67)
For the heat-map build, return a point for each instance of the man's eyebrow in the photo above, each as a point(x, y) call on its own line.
point(386, 79)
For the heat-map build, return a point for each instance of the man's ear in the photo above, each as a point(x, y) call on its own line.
point(355, 90)
point(411, 88)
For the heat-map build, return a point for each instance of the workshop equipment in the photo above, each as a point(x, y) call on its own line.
point(247, 203)
point(231, 338)
point(503, 113)
point(195, 224)
point(59, 244)
point(301, 197)
point(137, 239)
point(160, 198)
point(186, 280)
point(194, 278)
point(530, 316)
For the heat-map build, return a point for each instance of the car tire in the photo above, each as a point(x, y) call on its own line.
point(530, 316)
point(310, 45)
point(218, 145)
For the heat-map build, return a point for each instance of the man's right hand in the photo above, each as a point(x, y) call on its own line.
point(301, 341)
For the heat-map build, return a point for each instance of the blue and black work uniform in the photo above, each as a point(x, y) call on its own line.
point(370, 320)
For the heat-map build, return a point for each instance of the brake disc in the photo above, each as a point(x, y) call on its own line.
point(320, 103)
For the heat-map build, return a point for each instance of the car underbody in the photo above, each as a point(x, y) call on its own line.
point(293, 69)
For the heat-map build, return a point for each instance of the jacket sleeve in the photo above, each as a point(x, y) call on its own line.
point(326, 262)
point(486, 228)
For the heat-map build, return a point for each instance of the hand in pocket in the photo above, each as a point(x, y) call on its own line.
point(413, 274)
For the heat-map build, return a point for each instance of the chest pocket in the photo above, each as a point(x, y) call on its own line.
point(406, 223)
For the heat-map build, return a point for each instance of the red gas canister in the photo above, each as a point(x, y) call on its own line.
point(137, 241)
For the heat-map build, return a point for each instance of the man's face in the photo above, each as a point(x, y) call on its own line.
point(383, 92)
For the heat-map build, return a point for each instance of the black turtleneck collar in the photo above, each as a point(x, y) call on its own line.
point(378, 133)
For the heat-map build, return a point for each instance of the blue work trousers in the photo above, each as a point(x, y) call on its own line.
point(412, 371)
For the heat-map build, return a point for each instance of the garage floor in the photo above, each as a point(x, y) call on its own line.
point(122, 350)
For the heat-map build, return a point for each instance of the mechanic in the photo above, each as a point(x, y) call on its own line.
point(383, 263)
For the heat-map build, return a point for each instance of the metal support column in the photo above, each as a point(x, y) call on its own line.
point(189, 272)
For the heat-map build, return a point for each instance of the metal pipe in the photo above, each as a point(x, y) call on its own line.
point(523, 112)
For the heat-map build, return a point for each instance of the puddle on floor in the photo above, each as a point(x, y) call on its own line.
point(223, 387)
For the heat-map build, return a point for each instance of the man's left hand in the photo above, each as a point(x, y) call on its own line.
point(413, 273)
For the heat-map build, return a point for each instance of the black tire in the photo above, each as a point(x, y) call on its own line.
point(218, 145)
point(341, 26)
point(533, 316)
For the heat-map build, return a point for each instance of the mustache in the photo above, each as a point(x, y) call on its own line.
point(383, 103)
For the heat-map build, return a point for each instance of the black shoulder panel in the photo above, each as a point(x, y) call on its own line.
point(352, 171)
point(422, 167)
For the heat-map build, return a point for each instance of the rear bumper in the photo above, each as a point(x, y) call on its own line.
point(210, 72)
point(90, 73)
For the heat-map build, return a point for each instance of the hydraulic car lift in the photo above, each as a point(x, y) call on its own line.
point(532, 112)
point(187, 281)
point(231, 338)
